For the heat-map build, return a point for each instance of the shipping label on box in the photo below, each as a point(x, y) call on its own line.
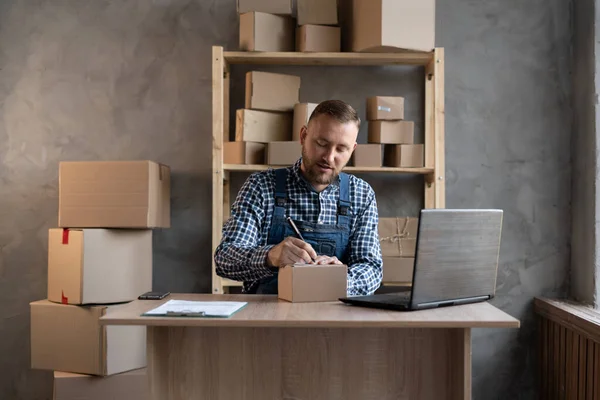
point(317, 12)
point(132, 385)
point(398, 236)
point(312, 283)
point(391, 132)
point(389, 25)
point(404, 155)
point(302, 112)
point(318, 38)
point(280, 7)
point(385, 108)
point(98, 266)
point(70, 338)
point(266, 32)
point(243, 153)
point(271, 92)
point(114, 194)
point(398, 269)
point(263, 126)
point(367, 155)
point(283, 153)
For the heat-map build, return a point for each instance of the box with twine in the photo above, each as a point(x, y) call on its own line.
point(398, 236)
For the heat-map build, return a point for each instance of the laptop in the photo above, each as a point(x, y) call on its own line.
point(456, 262)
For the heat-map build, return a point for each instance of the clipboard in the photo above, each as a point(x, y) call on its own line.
point(196, 309)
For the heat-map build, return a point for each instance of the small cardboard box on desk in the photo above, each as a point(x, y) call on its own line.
point(311, 283)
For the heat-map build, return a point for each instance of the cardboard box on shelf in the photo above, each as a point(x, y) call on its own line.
point(243, 153)
point(98, 266)
point(398, 236)
point(266, 32)
point(388, 25)
point(398, 269)
point(302, 112)
point(132, 385)
point(385, 108)
point(114, 194)
point(404, 155)
point(263, 126)
point(280, 7)
point(283, 153)
point(368, 155)
point(70, 339)
point(318, 38)
point(268, 91)
point(391, 132)
point(317, 12)
point(312, 283)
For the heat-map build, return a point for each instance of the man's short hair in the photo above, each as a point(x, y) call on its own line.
point(337, 109)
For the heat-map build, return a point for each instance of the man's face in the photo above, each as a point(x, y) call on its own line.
point(326, 148)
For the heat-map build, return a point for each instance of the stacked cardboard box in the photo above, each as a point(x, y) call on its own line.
point(387, 127)
point(100, 256)
point(398, 240)
point(387, 25)
point(264, 126)
point(318, 26)
point(266, 25)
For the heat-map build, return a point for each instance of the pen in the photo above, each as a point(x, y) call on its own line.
point(295, 228)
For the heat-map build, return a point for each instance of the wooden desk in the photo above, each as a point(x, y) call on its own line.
point(278, 350)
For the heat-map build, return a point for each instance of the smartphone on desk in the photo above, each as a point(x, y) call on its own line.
point(154, 295)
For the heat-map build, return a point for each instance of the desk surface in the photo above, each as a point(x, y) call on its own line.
point(268, 311)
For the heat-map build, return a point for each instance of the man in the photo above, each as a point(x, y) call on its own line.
point(336, 213)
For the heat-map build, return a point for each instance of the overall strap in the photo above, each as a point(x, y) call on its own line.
point(343, 215)
point(280, 192)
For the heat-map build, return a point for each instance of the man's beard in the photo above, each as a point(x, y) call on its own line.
point(312, 173)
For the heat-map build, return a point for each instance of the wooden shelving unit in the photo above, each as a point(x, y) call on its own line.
point(434, 170)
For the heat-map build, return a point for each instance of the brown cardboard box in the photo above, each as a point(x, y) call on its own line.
point(266, 32)
point(114, 194)
point(367, 155)
point(263, 126)
point(318, 38)
point(309, 282)
point(132, 385)
point(271, 92)
point(283, 153)
point(98, 266)
point(391, 25)
point(398, 236)
point(281, 7)
point(398, 269)
point(317, 12)
point(302, 112)
point(385, 108)
point(391, 132)
point(243, 153)
point(70, 339)
point(404, 155)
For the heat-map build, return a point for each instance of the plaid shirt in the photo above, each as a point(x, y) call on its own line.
point(242, 253)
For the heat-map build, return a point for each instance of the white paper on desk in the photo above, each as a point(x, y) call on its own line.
point(198, 308)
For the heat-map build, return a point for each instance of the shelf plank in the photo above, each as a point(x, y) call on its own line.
point(254, 167)
point(340, 59)
point(230, 283)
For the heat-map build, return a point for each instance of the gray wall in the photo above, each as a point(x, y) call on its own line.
point(127, 80)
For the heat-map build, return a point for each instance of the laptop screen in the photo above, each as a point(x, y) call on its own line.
point(457, 254)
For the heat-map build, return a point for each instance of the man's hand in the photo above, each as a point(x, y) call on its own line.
point(290, 251)
point(326, 260)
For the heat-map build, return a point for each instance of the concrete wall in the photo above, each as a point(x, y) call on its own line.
point(127, 80)
point(584, 258)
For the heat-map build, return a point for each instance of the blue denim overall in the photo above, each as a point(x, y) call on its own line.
point(325, 239)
